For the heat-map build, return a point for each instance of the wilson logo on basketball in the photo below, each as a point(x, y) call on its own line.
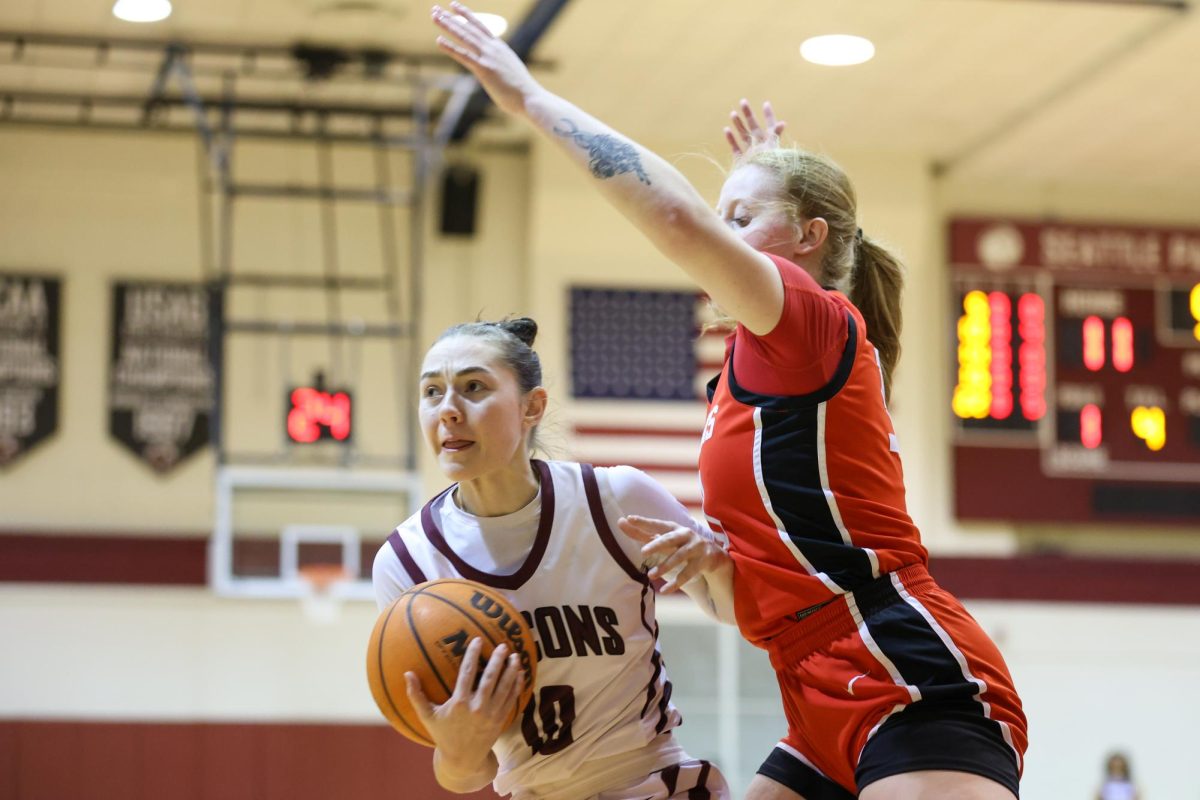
point(509, 627)
point(457, 642)
point(427, 630)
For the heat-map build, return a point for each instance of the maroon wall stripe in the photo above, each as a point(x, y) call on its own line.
point(181, 561)
point(202, 761)
point(67, 558)
point(1056, 578)
point(604, 430)
point(144, 558)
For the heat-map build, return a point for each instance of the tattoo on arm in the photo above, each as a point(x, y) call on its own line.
point(609, 155)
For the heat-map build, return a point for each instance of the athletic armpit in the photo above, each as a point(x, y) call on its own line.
point(804, 349)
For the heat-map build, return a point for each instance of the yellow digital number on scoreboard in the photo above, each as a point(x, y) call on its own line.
point(973, 394)
point(1150, 425)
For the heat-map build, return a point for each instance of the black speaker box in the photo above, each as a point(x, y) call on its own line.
point(460, 192)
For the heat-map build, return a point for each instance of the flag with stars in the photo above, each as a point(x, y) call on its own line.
point(639, 365)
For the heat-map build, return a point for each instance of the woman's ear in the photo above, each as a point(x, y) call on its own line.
point(535, 406)
point(813, 233)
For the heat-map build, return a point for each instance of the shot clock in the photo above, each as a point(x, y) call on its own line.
point(1076, 375)
point(314, 413)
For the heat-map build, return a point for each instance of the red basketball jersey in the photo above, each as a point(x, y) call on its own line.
point(808, 487)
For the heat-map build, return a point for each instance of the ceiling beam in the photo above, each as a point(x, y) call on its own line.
point(240, 103)
point(108, 44)
point(371, 59)
point(1171, 5)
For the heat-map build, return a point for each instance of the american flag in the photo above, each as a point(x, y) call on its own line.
point(639, 366)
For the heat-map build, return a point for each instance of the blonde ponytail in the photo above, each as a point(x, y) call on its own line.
point(875, 288)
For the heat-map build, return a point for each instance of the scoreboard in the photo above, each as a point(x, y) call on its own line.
point(1076, 376)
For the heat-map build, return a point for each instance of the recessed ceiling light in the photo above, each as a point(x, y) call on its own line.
point(142, 10)
point(493, 22)
point(837, 50)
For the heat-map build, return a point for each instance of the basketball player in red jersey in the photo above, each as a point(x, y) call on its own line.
point(890, 688)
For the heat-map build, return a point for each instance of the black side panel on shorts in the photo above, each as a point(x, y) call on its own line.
point(787, 770)
point(944, 736)
point(947, 728)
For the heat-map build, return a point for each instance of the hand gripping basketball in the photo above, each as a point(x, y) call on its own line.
point(446, 633)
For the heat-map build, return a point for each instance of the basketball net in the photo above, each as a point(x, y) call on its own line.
point(319, 601)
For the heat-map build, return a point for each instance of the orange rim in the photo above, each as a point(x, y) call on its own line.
point(322, 576)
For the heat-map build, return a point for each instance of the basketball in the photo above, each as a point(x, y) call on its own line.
point(426, 631)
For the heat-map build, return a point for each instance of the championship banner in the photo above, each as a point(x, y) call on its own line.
point(162, 370)
point(29, 362)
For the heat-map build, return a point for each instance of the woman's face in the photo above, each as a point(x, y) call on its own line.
point(750, 205)
point(473, 414)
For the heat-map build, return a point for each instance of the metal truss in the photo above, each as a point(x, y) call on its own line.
point(408, 104)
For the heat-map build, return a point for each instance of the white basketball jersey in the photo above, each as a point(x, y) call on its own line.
point(601, 687)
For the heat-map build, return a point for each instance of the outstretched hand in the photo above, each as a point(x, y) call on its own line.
point(675, 551)
point(746, 133)
point(499, 70)
point(465, 727)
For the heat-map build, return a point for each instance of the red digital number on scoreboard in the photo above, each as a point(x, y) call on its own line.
point(314, 414)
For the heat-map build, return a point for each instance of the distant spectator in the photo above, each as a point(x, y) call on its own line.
point(1118, 780)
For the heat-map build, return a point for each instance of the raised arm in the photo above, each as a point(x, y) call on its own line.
point(648, 191)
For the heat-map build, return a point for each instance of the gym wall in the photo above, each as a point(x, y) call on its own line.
point(82, 660)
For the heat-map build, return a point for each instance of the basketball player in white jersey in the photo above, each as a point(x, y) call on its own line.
point(558, 540)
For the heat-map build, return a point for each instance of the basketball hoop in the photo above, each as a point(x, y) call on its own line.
point(320, 600)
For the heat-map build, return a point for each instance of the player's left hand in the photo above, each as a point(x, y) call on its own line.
point(499, 70)
point(747, 134)
point(677, 552)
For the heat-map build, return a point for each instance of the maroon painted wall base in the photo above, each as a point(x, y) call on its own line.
point(180, 561)
point(78, 760)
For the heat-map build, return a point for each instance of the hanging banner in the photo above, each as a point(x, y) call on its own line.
point(29, 362)
point(162, 370)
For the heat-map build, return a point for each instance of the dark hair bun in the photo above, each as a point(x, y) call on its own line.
point(523, 328)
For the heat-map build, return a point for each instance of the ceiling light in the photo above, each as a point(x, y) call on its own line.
point(142, 10)
point(837, 50)
point(493, 22)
